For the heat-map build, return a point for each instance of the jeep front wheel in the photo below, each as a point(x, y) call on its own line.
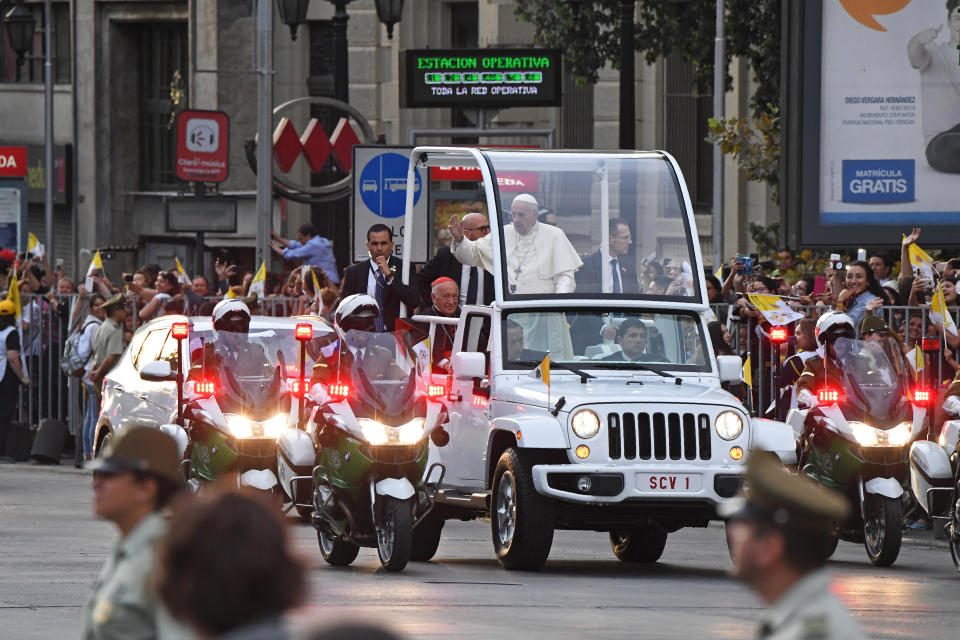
point(638, 545)
point(521, 520)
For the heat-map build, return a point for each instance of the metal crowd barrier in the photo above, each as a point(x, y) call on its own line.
point(767, 357)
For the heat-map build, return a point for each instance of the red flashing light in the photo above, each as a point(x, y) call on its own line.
point(338, 391)
point(180, 330)
point(920, 396)
point(778, 335)
point(294, 386)
point(480, 402)
point(827, 395)
point(204, 388)
point(930, 344)
point(304, 332)
point(436, 390)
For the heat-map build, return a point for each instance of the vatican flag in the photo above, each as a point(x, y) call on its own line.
point(939, 314)
point(774, 309)
point(181, 272)
point(95, 265)
point(542, 372)
point(316, 285)
point(34, 246)
point(921, 261)
point(916, 360)
point(256, 285)
point(746, 374)
point(13, 293)
point(230, 293)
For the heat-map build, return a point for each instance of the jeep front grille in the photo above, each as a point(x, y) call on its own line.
point(659, 436)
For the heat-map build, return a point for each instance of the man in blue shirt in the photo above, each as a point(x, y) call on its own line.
point(310, 248)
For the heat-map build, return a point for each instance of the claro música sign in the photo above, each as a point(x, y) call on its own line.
point(480, 78)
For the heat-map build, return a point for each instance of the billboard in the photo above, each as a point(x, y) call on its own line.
point(887, 122)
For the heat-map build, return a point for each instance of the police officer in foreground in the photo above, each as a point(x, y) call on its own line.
point(780, 531)
point(133, 481)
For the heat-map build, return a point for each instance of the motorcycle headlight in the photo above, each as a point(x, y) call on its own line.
point(373, 432)
point(728, 425)
point(585, 424)
point(867, 436)
point(273, 427)
point(240, 427)
point(412, 432)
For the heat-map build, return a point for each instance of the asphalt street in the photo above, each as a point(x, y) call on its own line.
point(53, 549)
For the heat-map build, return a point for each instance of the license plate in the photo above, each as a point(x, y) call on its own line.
point(669, 482)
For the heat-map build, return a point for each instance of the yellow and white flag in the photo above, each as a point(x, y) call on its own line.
point(34, 246)
point(181, 272)
point(746, 374)
point(916, 360)
point(230, 293)
point(921, 262)
point(259, 280)
point(774, 309)
point(95, 265)
point(542, 372)
point(939, 314)
point(316, 284)
point(13, 293)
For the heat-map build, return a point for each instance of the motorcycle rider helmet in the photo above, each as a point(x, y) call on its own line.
point(357, 312)
point(833, 325)
point(231, 315)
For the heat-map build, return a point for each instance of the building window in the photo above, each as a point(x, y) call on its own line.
point(686, 112)
point(31, 71)
point(163, 58)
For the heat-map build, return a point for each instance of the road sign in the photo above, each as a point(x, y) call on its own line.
point(13, 214)
point(380, 196)
point(203, 145)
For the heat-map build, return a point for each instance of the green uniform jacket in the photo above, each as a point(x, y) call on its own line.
point(121, 606)
point(809, 611)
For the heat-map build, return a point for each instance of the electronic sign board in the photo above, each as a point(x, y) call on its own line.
point(478, 78)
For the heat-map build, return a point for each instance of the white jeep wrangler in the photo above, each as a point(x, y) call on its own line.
point(627, 430)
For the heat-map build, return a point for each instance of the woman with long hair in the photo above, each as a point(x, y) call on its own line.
point(861, 292)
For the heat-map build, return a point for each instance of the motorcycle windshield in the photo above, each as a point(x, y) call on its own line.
point(252, 371)
point(383, 370)
point(874, 376)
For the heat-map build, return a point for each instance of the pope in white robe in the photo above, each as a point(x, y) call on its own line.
point(539, 259)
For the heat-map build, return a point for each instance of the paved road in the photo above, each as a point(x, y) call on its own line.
point(53, 548)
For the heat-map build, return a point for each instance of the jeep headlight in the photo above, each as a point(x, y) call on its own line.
point(728, 425)
point(585, 424)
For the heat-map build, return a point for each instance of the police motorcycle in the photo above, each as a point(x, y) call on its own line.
point(240, 406)
point(856, 434)
point(374, 420)
point(935, 476)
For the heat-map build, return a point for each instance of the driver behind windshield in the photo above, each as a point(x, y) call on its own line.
point(231, 346)
point(355, 321)
point(632, 338)
point(823, 369)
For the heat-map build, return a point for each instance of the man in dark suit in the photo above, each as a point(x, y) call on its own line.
point(475, 284)
point(379, 277)
point(632, 338)
point(589, 329)
point(623, 274)
point(516, 352)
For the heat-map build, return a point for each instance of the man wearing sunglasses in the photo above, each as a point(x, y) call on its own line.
point(475, 284)
point(134, 480)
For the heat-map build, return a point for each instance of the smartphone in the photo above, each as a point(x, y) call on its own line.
point(835, 263)
point(58, 263)
point(861, 255)
point(128, 277)
point(955, 264)
point(819, 285)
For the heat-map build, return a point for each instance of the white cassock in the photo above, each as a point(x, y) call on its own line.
point(542, 261)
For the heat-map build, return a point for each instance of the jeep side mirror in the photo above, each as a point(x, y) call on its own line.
point(469, 365)
point(157, 370)
point(730, 368)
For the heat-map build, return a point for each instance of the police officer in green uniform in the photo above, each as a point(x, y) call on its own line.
point(133, 481)
point(780, 531)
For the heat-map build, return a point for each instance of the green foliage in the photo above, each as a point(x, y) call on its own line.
point(588, 33)
point(766, 238)
point(755, 145)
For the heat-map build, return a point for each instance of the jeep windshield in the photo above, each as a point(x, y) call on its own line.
point(589, 339)
point(592, 226)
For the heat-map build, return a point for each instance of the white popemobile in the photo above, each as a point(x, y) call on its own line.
point(634, 434)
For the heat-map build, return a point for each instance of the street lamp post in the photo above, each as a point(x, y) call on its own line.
point(341, 70)
point(264, 126)
point(20, 25)
point(719, 89)
point(628, 133)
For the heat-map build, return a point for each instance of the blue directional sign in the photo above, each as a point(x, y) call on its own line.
point(383, 185)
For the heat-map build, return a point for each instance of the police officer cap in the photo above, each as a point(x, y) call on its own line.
point(143, 449)
point(774, 496)
point(113, 303)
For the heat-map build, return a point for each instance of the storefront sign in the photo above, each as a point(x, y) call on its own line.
point(13, 162)
point(480, 78)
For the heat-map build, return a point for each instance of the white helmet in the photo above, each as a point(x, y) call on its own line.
point(357, 312)
point(225, 312)
point(833, 325)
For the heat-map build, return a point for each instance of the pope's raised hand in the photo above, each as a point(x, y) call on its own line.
point(455, 228)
